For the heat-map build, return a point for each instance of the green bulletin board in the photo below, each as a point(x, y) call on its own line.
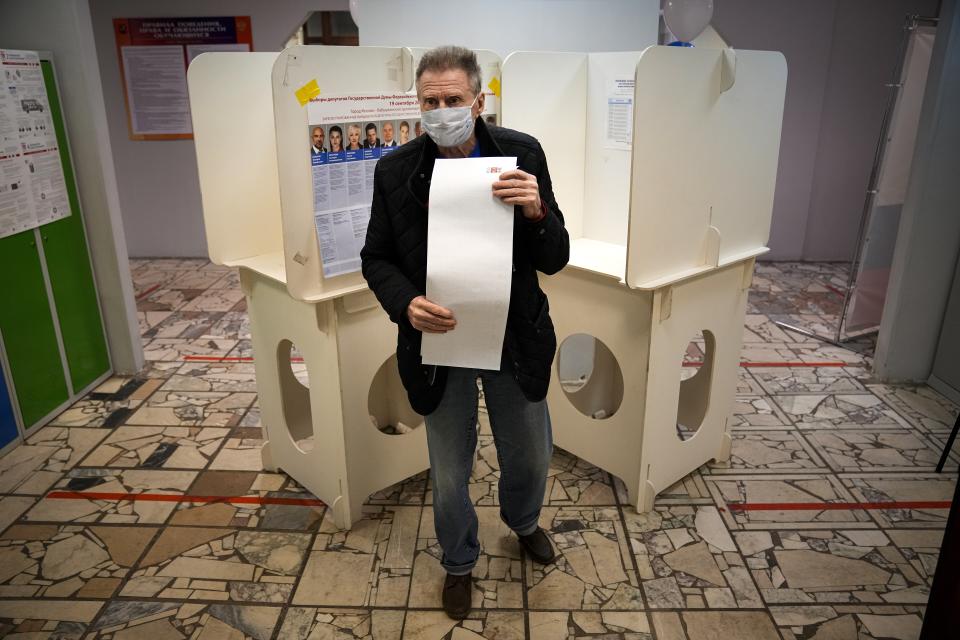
point(50, 316)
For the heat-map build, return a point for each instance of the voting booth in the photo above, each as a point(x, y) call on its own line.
point(349, 431)
point(663, 162)
point(666, 213)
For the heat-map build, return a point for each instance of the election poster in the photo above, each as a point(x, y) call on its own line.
point(154, 54)
point(346, 136)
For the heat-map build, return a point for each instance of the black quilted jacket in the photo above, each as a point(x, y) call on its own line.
point(395, 262)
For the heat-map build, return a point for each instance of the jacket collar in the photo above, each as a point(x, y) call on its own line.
point(418, 181)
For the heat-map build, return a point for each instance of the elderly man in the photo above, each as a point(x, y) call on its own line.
point(395, 266)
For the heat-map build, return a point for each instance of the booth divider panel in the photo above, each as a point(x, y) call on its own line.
point(337, 70)
point(231, 102)
point(703, 157)
point(606, 196)
point(545, 95)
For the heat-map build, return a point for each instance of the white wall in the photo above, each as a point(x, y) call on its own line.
point(158, 184)
point(511, 25)
point(929, 236)
point(864, 52)
point(839, 55)
point(63, 27)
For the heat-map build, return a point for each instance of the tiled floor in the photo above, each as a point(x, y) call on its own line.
point(697, 567)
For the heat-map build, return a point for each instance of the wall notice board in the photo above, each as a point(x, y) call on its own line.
point(154, 54)
point(32, 188)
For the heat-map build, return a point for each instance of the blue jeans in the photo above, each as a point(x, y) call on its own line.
point(521, 432)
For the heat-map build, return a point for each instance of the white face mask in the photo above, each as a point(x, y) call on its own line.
point(450, 126)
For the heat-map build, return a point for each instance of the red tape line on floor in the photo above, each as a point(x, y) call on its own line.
point(226, 359)
point(781, 364)
point(838, 506)
point(148, 292)
point(160, 497)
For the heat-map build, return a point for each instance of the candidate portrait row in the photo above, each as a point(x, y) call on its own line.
point(356, 141)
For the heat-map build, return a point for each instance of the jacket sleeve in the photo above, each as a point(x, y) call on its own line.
point(379, 260)
point(547, 239)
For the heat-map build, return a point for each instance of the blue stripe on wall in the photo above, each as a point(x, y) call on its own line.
point(8, 424)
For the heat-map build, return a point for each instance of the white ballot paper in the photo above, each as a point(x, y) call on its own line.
point(469, 261)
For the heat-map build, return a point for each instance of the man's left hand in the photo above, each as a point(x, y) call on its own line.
point(518, 187)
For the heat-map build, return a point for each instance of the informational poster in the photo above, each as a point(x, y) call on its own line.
point(619, 129)
point(346, 136)
point(154, 54)
point(32, 188)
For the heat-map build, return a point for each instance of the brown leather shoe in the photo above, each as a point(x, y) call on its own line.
point(538, 546)
point(457, 595)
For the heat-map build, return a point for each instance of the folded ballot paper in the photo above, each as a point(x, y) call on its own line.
point(469, 261)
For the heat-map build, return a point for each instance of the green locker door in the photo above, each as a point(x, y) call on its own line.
point(28, 331)
point(68, 263)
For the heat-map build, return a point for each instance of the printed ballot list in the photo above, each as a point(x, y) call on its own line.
point(347, 135)
point(32, 187)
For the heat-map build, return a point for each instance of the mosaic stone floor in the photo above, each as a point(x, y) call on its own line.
point(182, 563)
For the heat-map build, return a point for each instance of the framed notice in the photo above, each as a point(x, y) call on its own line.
point(154, 54)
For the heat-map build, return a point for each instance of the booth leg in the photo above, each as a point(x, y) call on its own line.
point(342, 517)
point(646, 498)
point(266, 458)
point(726, 446)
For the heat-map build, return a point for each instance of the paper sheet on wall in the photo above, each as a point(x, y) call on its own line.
point(33, 191)
point(347, 136)
point(469, 261)
point(619, 129)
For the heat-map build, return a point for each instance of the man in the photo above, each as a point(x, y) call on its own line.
point(353, 137)
point(395, 265)
point(336, 139)
point(417, 130)
point(316, 139)
point(388, 140)
point(371, 141)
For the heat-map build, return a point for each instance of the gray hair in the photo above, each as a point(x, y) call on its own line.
point(451, 57)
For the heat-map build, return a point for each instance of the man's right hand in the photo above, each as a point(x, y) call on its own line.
point(428, 317)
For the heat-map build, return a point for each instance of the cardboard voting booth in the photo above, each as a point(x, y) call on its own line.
point(349, 431)
point(663, 162)
point(665, 216)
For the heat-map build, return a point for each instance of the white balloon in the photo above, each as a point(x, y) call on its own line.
point(353, 10)
point(686, 19)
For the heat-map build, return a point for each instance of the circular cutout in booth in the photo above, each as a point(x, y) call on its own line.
point(696, 374)
point(390, 410)
point(295, 395)
point(590, 376)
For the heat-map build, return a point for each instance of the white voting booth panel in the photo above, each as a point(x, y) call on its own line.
point(338, 71)
point(663, 238)
point(258, 213)
point(322, 435)
point(232, 108)
point(703, 187)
